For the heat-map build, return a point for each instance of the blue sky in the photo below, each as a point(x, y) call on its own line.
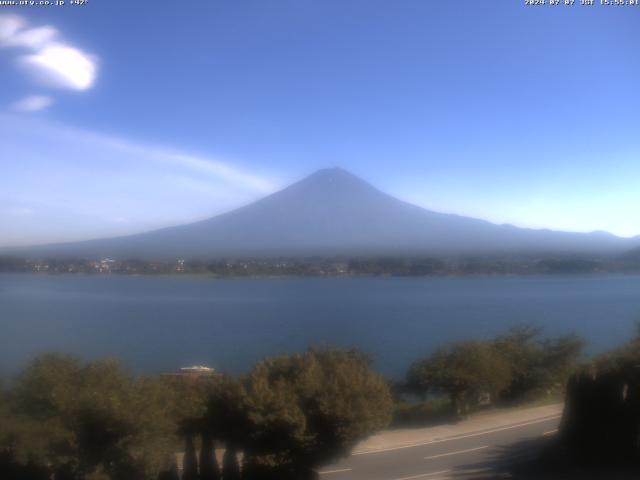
point(120, 116)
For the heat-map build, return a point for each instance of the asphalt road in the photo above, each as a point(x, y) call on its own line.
point(475, 455)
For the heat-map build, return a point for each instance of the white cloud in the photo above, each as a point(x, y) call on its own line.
point(32, 103)
point(9, 26)
point(51, 61)
point(61, 66)
point(33, 38)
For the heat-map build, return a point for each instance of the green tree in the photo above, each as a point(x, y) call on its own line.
point(171, 474)
point(90, 420)
point(306, 409)
point(226, 420)
point(226, 414)
point(561, 355)
point(189, 459)
point(209, 469)
point(464, 371)
point(190, 413)
point(230, 467)
point(539, 366)
point(521, 348)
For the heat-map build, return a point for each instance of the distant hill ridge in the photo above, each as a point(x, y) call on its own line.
point(333, 212)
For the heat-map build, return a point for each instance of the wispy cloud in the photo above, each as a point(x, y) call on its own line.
point(19, 211)
point(82, 184)
point(46, 57)
point(32, 103)
point(32, 38)
point(194, 163)
point(9, 26)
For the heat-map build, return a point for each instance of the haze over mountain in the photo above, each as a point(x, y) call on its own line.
point(333, 212)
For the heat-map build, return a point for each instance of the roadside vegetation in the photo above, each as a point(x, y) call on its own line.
point(66, 419)
point(600, 429)
point(515, 368)
point(599, 434)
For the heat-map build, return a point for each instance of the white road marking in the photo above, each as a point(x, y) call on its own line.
point(457, 453)
point(460, 437)
point(423, 475)
point(550, 432)
point(340, 470)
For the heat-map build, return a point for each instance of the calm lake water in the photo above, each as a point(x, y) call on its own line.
point(160, 323)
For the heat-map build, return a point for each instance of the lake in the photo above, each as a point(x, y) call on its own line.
point(161, 323)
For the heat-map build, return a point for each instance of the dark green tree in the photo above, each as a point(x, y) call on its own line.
point(600, 426)
point(230, 466)
point(539, 366)
point(189, 460)
point(306, 409)
point(464, 371)
point(227, 421)
point(209, 469)
point(170, 474)
point(190, 412)
point(89, 420)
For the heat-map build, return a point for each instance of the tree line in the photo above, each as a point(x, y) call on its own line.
point(405, 266)
point(518, 366)
point(66, 419)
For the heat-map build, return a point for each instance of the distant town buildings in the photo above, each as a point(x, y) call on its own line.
point(330, 267)
point(180, 265)
point(105, 265)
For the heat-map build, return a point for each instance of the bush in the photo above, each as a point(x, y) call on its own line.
point(88, 420)
point(601, 421)
point(464, 371)
point(307, 409)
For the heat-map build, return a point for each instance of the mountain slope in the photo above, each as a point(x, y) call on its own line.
point(334, 212)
